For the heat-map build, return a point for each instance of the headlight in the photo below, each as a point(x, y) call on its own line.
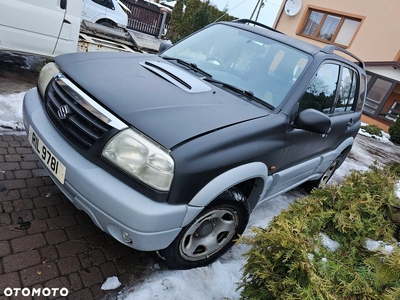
point(45, 75)
point(142, 158)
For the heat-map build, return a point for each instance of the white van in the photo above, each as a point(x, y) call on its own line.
point(105, 12)
point(44, 27)
point(52, 27)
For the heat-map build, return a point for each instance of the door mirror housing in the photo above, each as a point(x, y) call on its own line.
point(313, 120)
point(164, 46)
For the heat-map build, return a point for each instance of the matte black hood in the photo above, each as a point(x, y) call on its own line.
point(162, 110)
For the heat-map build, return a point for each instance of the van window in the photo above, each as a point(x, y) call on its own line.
point(106, 3)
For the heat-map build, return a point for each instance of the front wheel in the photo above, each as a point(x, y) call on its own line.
point(210, 234)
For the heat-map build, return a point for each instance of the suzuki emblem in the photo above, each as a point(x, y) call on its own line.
point(63, 111)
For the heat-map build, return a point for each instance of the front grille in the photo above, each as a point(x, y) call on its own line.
point(76, 123)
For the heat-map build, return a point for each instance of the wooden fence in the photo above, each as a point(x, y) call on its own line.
point(147, 17)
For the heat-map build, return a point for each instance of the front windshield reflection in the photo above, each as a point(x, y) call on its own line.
point(244, 59)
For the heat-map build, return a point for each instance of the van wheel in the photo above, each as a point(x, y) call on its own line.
point(210, 234)
point(321, 183)
point(105, 23)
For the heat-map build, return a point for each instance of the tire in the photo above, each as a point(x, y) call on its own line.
point(321, 183)
point(210, 234)
point(105, 23)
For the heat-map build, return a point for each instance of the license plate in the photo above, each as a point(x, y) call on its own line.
point(55, 166)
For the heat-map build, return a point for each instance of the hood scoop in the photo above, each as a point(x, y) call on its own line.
point(177, 76)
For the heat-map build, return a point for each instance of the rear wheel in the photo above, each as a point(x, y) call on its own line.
point(210, 234)
point(310, 185)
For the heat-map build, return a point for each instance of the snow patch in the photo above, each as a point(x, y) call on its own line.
point(372, 245)
point(398, 189)
point(328, 243)
point(111, 283)
point(11, 113)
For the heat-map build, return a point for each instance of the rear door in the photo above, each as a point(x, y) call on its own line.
point(30, 26)
point(345, 120)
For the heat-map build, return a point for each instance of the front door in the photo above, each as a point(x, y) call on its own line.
point(30, 26)
point(331, 91)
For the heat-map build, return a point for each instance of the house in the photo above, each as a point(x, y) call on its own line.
point(369, 29)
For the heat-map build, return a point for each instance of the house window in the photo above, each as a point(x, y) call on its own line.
point(393, 112)
point(330, 27)
point(379, 90)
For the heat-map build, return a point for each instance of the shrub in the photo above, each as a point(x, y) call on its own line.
point(372, 129)
point(290, 260)
point(394, 132)
point(195, 16)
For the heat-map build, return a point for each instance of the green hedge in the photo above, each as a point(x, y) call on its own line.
point(372, 129)
point(288, 259)
point(394, 132)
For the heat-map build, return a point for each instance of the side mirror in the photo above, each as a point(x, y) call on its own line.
point(164, 46)
point(313, 120)
point(63, 4)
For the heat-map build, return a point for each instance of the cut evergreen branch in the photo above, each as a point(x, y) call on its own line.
point(290, 260)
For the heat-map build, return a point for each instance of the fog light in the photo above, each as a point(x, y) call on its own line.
point(126, 237)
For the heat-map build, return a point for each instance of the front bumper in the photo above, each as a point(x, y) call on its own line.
point(112, 205)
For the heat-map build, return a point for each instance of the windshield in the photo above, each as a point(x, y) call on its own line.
point(246, 60)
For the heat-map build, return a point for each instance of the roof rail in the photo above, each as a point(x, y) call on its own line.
point(245, 21)
point(330, 49)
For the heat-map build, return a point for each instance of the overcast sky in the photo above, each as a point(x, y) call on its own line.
point(244, 8)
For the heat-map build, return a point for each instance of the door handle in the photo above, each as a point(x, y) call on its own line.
point(350, 123)
point(325, 135)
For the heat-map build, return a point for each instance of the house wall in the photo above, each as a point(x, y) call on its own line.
point(378, 37)
point(371, 121)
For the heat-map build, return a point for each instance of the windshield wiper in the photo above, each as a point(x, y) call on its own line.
point(248, 94)
point(189, 65)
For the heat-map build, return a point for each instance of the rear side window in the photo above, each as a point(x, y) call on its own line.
point(360, 103)
point(347, 91)
point(321, 91)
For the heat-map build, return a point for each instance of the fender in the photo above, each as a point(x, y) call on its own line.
point(225, 181)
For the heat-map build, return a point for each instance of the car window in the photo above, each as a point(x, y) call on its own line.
point(347, 91)
point(360, 103)
point(263, 66)
point(321, 91)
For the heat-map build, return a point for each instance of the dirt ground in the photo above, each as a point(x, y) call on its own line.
point(18, 73)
